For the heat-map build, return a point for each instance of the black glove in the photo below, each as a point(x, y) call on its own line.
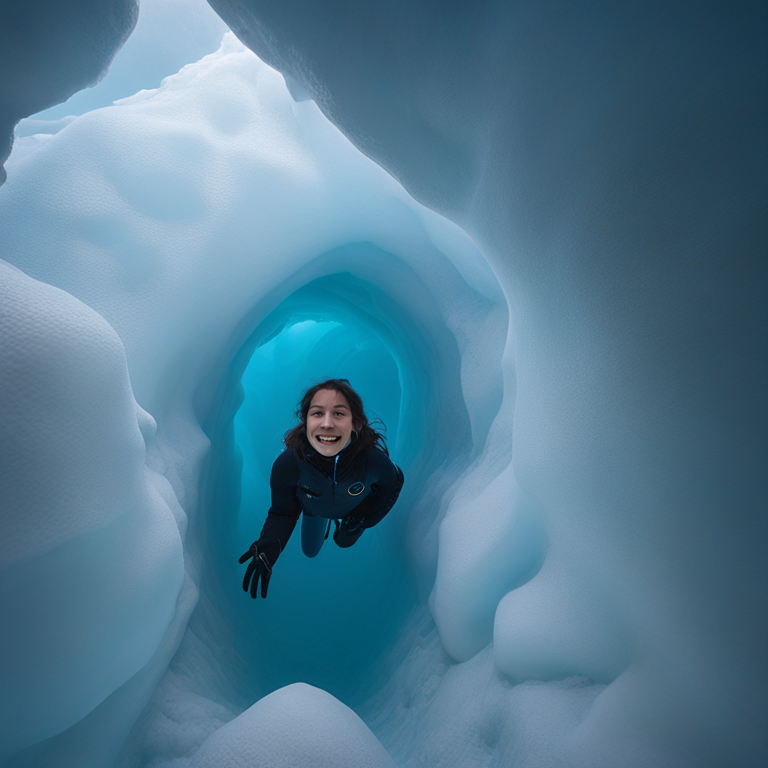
point(349, 531)
point(264, 554)
point(352, 525)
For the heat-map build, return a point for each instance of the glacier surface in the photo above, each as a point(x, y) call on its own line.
point(574, 574)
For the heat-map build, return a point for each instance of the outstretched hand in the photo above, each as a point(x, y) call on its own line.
point(353, 525)
point(350, 530)
point(258, 567)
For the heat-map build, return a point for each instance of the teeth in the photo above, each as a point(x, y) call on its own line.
point(325, 439)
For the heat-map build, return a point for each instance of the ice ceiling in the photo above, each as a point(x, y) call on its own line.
point(571, 365)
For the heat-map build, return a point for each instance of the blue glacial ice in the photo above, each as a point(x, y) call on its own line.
point(574, 574)
point(185, 251)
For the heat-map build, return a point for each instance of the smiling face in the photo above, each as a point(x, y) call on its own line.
point(329, 422)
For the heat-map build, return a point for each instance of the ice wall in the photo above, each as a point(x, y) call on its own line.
point(611, 161)
point(199, 220)
point(91, 556)
point(168, 34)
point(49, 50)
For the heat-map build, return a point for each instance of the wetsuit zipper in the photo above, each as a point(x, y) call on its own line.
point(333, 487)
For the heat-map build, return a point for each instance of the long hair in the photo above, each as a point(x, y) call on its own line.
point(364, 435)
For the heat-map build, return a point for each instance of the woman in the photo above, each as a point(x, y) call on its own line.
point(336, 468)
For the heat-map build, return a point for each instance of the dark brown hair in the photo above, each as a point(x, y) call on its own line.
point(363, 435)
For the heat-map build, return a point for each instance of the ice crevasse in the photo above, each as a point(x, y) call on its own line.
point(561, 515)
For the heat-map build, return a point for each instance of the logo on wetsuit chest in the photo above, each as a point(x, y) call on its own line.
point(355, 489)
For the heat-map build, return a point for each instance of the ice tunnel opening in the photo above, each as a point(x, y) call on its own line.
point(326, 638)
point(328, 621)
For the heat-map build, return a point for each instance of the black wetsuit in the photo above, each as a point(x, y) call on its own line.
point(362, 488)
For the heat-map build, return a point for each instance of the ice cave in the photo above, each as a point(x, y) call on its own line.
point(534, 237)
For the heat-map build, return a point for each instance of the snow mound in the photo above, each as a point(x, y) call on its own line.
point(298, 725)
point(90, 553)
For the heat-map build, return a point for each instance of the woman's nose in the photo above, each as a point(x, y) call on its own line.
point(327, 420)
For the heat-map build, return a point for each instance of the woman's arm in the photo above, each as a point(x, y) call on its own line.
point(384, 491)
point(385, 494)
point(285, 509)
point(278, 527)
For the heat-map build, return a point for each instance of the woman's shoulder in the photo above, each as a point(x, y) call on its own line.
point(286, 463)
point(377, 459)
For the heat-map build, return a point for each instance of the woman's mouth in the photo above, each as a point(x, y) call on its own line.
point(328, 438)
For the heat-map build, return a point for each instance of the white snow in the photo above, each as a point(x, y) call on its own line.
point(91, 555)
point(297, 725)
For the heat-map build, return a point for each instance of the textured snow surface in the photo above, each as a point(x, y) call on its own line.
point(297, 725)
point(91, 554)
